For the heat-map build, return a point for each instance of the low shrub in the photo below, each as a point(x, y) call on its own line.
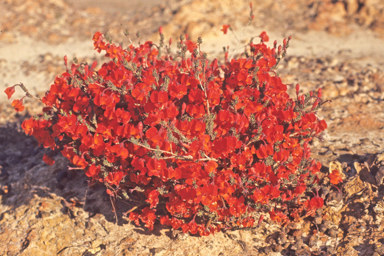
point(199, 145)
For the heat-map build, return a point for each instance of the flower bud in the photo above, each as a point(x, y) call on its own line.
point(315, 104)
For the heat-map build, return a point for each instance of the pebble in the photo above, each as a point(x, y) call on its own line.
point(282, 239)
point(379, 176)
point(318, 220)
point(322, 228)
point(332, 232)
point(312, 241)
point(297, 233)
point(338, 78)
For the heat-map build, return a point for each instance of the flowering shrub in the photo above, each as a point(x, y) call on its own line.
point(201, 146)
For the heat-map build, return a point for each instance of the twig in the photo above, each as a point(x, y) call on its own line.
point(29, 95)
point(131, 210)
point(237, 42)
point(188, 157)
point(205, 93)
point(114, 209)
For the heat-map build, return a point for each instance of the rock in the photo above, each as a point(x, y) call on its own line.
point(8, 37)
point(335, 201)
point(295, 225)
point(338, 12)
point(278, 248)
point(338, 78)
point(94, 10)
point(306, 227)
point(332, 233)
point(353, 186)
point(322, 228)
point(282, 239)
point(330, 91)
point(380, 157)
point(379, 207)
point(318, 220)
point(379, 176)
point(365, 173)
point(379, 248)
point(336, 165)
point(297, 233)
point(352, 6)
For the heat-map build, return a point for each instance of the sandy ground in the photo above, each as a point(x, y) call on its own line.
point(37, 214)
point(113, 6)
point(361, 46)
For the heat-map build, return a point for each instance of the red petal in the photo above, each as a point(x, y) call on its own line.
point(48, 160)
point(18, 105)
point(264, 37)
point(9, 91)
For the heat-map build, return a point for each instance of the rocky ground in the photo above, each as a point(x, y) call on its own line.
point(336, 45)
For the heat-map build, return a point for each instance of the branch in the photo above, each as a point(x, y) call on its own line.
point(29, 95)
point(173, 155)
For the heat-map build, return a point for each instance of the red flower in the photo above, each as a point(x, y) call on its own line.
point(18, 105)
point(93, 171)
point(278, 216)
point(335, 177)
point(134, 216)
point(264, 37)
point(153, 198)
point(114, 178)
point(48, 160)
point(9, 91)
point(300, 189)
point(191, 46)
point(225, 29)
point(28, 125)
point(185, 135)
point(316, 202)
point(264, 151)
point(148, 217)
point(141, 90)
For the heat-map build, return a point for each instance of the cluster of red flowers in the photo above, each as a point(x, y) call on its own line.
point(202, 146)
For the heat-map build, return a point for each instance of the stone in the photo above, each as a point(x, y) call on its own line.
point(33, 215)
point(335, 201)
point(352, 6)
point(379, 176)
point(353, 186)
point(297, 233)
